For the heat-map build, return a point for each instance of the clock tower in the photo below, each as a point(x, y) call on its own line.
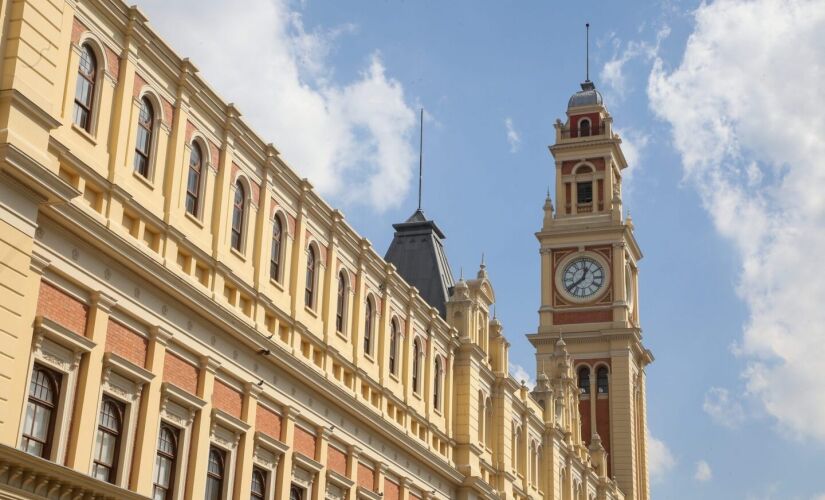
point(589, 278)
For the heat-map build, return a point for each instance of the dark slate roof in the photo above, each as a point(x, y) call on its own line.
point(587, 96)
point(417, 252)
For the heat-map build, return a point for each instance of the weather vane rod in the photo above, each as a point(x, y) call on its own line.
point(420, 157)
point(587, 57)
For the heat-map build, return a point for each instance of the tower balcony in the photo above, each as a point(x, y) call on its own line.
point(566, 133)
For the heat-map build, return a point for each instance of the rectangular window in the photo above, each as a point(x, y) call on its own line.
point(41, 411)
point(584, 192)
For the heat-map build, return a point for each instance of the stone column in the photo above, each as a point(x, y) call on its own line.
point(284, 475)
point(146, 433)
point(87, 395)
point(246, 444)
point(319, 489)
point(201, 429)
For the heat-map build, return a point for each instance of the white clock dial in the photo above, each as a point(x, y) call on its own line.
point(583, 278)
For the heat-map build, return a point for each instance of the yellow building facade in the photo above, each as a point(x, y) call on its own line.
point(182, 316)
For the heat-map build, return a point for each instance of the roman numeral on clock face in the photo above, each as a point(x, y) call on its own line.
point(583, 277)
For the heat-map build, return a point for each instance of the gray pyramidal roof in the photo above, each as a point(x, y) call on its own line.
point(417, 252)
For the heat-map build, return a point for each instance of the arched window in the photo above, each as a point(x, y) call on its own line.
point(143, 142)
point(533, 462)
point(214, 474)
point(416, 375)
point(584, 127)
point(437, 383)
point(309, 292)
point(41, 410)
point(368, 313)
point(601, 380)
point(296, 493)
point(539, 466)
point(482, 417)
point(275, 251)
point(258, 490)
point(165, 463)
point(341, 303)
point(109, 430)
point(193, 180)
point(394, 347)
point(238, 209)
point(584, 380)
point(84, 94)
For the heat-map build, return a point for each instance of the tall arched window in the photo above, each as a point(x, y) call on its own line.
point(394, 347)
point(165, 463)
point(584, 380)
point(143, 142)
point(109, 430)
point(602, 382)
point(533, 462)
point(437, 371)
point(214, 474)
point(84, 94)
point(275, 252)
point(309, 292)
point(38, 428)
point(584, 127)
point(296, 493)
point(482, 416)
point(416, 375)
point(341, 303)
point(368, 313)
point(193, 180)
point(258, 489)
point(238, 209)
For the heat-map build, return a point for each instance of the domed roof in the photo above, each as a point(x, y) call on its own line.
point(587, 96)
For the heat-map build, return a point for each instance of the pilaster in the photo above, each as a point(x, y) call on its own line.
point(201, 428)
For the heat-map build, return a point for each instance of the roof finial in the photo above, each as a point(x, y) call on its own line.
point(420, 158)
point(587, 58)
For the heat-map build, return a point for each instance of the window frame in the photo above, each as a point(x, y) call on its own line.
point(275, 265)
point(169, 490)
point(239, 216)
point(369, 325)
point(196, 196)
point(119, 434)
point(263, 475)
point(89, 108)
point(438, 371)
point(584, 390)
point(602, 369)
point(585, 131)
point(310, 285)
point(222, 454)
point(416, 367)
point(393, 354)
point(55, 380)
point(341, 303)
point(151, 132)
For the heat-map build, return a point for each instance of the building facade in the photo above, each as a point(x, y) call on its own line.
point(182, 316)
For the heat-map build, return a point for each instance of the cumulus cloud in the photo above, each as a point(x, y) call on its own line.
point(634, 144)
point(722, 408)
point(513, 137)
point(613, 73)
point(353, 140)
point(519, 373)
point(703, 473)
point(746, 113)
point(660, 459)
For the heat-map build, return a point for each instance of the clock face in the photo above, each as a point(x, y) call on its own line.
point(583, 278)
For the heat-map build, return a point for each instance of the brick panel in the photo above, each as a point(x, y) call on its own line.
point(180, 373)
point(566, 318)
point(126, 343)
point(366, 477)
point(337, 460)
point(114, 62)
point(603, 427)
point(268, 422)
point(138, 86)
point(304, 443)
point(168, 112)
point(190, 129)
point(584, 412)
point(62, 308)
point(227, 399)
point(391, 490)
point(78, 28)
point(413, 496)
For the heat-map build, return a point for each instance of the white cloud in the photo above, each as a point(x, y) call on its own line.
point(723, 409)
point(746, 110)
point(703, 473)
point(660, 459)
point(513, 137)
point(519, 373)
point(634, 144)
point(613, 74)
point(353, 140)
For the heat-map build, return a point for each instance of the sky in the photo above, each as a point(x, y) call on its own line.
point(720, 106)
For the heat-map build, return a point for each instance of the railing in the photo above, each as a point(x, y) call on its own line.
point(568, 133)
point(28, 476)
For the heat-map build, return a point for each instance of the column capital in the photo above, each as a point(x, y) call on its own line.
point(160, 335)
point(103, 301)
point(209, 364)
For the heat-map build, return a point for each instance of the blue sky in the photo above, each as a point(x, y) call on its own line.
point(720, 108)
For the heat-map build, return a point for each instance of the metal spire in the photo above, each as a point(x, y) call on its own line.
point(420, 158)
point(587, 57)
